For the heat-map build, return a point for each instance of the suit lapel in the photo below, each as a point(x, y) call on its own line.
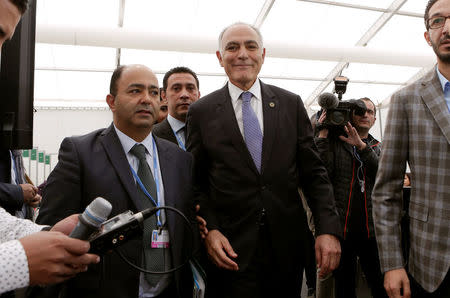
point(270, 117)
point(114, 151)
point(433, 97)
point(227, 116)
point(168, 132)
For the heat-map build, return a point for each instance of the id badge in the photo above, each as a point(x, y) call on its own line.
point(160, 239)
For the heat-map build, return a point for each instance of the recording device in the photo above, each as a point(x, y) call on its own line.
point(91, 219)
point(125, 226)
point(339, 112)
point(119, 229)
point(106, 235)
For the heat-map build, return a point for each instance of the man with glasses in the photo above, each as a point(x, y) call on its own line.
point(418, 132)
point(352, 163)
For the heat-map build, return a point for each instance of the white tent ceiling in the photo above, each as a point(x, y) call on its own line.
point(379, 44)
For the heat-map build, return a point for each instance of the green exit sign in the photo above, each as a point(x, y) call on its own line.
point(41, 157)
point(33, 154)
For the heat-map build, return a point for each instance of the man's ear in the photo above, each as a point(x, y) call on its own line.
point(110, 100)
point(163, 95)
point(219, 56)
point(427, 38)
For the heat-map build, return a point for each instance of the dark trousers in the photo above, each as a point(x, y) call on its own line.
point(310, 266)
point(261, 279)
point(443, 291)
point(345, 276)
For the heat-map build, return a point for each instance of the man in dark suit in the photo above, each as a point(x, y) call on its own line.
point(252, 150)
point(180, 90)
point(16, 195)
point(106, 163)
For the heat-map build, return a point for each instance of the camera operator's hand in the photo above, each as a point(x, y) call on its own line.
point(323, 133)
point(353, 137)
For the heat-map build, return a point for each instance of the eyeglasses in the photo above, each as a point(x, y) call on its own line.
point(437, 22)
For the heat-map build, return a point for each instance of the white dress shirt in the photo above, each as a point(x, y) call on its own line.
point(14, 272)
point(177, 126)
point(255, 102)
point(145, 290)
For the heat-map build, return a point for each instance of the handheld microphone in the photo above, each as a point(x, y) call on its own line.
point(328, 101)
point(91, 219)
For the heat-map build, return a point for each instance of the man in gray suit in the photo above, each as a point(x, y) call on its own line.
point(418, 132)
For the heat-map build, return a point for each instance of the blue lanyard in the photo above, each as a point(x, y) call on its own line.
point(156, 177)
point(180, 142)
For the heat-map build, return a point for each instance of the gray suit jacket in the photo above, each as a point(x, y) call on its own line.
point(418, 132)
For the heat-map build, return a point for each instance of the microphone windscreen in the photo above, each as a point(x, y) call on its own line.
point(97, 212)
point(328, 101)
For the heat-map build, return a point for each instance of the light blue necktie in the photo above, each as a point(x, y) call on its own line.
point(252, 131)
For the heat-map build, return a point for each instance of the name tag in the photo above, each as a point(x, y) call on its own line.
point(160, 238)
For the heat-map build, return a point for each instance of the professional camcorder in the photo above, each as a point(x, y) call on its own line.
point(339, 112)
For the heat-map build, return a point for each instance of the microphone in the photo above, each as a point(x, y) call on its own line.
point(91, 219)
point(120, 228)
point(328, 101)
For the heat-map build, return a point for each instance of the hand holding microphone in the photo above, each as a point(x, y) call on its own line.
point(92, 218)
point(53, 257)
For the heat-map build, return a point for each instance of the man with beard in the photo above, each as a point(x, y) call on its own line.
point(418, 132)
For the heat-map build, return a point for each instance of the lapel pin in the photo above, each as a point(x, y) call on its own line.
point(271, 104)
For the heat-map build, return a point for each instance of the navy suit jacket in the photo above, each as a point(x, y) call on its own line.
point(232, 192)
point(95, 165)
point(11, 195)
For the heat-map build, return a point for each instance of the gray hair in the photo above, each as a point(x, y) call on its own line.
point(240, 23)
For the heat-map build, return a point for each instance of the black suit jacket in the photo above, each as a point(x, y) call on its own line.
point(231, 190)
point(11, 195)
point(164, 130)
point(95, 165)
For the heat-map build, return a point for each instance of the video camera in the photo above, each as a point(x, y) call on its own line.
point(339, 112)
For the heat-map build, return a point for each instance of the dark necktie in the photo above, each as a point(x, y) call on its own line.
point(153, 257)
point(252, 131)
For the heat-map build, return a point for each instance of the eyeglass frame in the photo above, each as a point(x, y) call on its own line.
point(436, 17)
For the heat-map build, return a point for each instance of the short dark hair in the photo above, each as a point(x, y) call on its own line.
point(179, 69)
point(22, 5)
point(114, 78)
point(374, 106)
point(427, 11)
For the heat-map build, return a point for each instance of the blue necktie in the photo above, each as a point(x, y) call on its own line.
point(252, 131)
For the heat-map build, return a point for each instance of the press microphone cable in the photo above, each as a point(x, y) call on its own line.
point(146, 214)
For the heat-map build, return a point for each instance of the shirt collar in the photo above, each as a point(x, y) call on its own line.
point(175, 123)
point(442, 79)
point(128, 143)
point(235, 92)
